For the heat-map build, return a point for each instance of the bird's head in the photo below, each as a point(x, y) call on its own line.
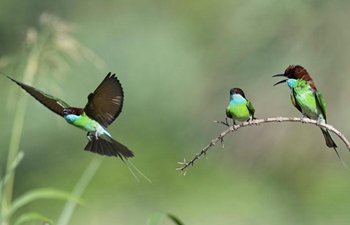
point(73, 111)
point(294, 72)
point(237, 91)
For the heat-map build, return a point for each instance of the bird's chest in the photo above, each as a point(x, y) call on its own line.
point(306, 99)
point(238, 111)
point(82, 122)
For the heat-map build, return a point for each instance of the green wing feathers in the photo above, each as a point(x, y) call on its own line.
point(294, 101)
point(228, 114)
point(321, 103)
point(251, 109)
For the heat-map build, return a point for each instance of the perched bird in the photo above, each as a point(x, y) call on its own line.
point(306, 98)
point(103, 107)
point(239, 108)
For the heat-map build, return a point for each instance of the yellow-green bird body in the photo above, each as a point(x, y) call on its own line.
point(239, 108)
point(307, 99)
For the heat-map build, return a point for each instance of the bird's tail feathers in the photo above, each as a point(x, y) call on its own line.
point(328, 138)
point(122, 149)
point(127, 162)
point(342, 161)
point(114, 148)
point(331, 144)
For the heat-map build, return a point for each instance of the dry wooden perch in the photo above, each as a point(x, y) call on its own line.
point(185, 164)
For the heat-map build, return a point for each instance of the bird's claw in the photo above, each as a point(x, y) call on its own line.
point(90, 136)
point(250, 122)
point(318, 122)
point(302, 119)
point(255, 123)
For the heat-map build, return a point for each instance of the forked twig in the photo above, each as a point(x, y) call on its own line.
point(185, 164)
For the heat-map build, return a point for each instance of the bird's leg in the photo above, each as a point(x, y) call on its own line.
point(302, 118)
point(227, 122)
point(234, 125)
point(250, 121)
point(319, 120)
point(89, 136)
point(255, 122)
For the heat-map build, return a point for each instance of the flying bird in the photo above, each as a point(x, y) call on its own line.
point(103, 107)
point(239, 108)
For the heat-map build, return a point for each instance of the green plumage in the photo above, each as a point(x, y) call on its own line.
point(241, 112)
point(239, 108)
point(306, 98)
point(310, 102)
point(85, 123)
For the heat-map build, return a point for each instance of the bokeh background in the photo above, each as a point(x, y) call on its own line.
point(177, 61)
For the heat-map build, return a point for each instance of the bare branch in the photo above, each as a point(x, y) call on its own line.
point(305, 120)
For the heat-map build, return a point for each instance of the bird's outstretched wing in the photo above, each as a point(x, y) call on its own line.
point(106, 103)
point(321, 103)
point(56, 105)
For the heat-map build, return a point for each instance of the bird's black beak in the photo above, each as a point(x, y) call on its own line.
point(279, 82)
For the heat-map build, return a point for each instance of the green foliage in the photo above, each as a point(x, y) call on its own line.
point(78, 191)
point(31, 217)
point(26, 198)
point(42, 193)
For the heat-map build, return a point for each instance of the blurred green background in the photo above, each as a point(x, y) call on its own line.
point(177, 61)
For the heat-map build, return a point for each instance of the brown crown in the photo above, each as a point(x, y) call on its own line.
point(299, 72)
point(72, 110)
point(237, 91)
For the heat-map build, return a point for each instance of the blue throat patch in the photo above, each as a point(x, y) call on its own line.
point(237, 99)
point(71, 118)
point(291, 82)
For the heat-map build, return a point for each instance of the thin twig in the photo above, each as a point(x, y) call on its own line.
point(185, 164)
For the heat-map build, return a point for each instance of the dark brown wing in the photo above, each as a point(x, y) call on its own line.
point(56, 105)
point(106, 103)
